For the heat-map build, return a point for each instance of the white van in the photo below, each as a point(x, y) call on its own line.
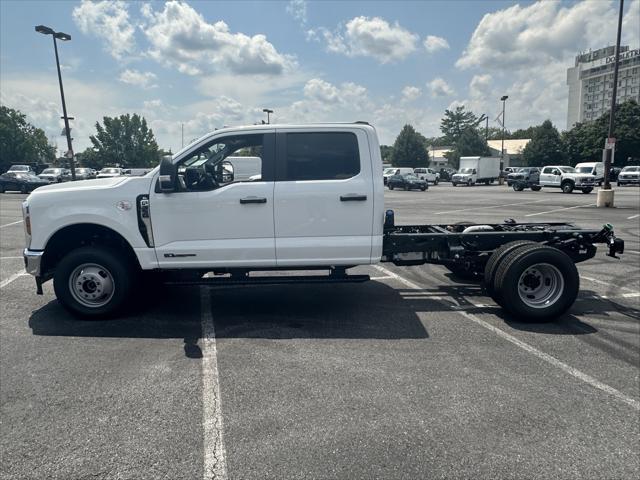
point(395, 171)
point(592, 168)
point(245, 167)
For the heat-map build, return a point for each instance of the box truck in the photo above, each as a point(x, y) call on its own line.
point(477, 170)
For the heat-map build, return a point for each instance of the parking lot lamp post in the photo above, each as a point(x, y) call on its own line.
point(504, 100)
point(267, 111)
point(64, 37)
point(605, 195)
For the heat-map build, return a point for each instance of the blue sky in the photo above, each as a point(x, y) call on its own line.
point(207, 64)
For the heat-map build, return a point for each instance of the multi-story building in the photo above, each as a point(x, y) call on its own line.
point(591, 82)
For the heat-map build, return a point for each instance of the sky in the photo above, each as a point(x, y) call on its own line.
point(195, 66)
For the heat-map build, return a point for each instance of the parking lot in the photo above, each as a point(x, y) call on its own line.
point(415, 374)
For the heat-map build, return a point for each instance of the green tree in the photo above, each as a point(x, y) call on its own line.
point(470, 143)
point(386, 152)
point(409, 149)
point(21, 142)
point(455, 122)
point(585, 141)
point(126, 141)
point(545, 148)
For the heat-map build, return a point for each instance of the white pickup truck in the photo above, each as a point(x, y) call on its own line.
point(317, 205)
point(567, 178)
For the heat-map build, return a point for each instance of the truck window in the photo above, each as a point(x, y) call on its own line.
point(321, 156)
point(216, 163)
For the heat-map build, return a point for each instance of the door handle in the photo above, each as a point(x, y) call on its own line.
point(253, 200)
point(353, 197)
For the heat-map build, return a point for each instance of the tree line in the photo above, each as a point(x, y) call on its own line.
point(462, 130)
point(129, 142)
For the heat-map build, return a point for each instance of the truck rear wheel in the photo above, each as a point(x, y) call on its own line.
point(536, 283)
point(536, 188)
point(93, 282)
point(518, 187)
point(494, 261)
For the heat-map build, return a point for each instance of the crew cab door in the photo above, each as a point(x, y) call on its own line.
point(323, 197)
point(550, 177)
point(212, 224)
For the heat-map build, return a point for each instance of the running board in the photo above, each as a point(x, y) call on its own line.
point(271, 280)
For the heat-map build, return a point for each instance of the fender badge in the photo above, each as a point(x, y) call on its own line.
point(123, 205)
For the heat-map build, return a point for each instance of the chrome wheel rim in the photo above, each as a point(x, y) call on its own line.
point(540, 285)
point(91, 285)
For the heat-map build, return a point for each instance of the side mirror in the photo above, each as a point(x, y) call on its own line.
point(226, 172)
point(168, 176)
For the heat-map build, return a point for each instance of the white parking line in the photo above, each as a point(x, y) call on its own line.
point(9, 258)
point(608, 284)
point(632, 251)
point(13, 277)
point(215, 463)
point(529, 348)
point(633, 216)
point(489, 207)
point(9, 224)
point(560, 209)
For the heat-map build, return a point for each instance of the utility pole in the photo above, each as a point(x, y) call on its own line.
point(605, 195)
point(64, 37)
point(504, 100)
point(182, 130)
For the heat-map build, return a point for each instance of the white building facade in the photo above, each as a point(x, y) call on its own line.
point(590, 82)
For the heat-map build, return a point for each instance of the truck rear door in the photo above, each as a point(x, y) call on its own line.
point(323, 197)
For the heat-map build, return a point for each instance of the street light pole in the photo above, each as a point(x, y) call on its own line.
point(605, 195)
point(65, 37)
point(267, 111)
point(504, 101)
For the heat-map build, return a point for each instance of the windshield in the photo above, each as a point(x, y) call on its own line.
point(584, 169)
point(50, 170)
point(410, 177)
point(19, 168)
point(631, 169)
point(388, 171)
point(109, 170)
point(568, 169)
point(466, 170)
point(82, 170)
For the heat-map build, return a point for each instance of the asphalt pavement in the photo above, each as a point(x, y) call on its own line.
point(414, 374)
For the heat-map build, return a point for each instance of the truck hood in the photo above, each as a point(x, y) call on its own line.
point(83, 185)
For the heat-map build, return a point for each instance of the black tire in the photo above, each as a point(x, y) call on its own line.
point(567, 187)
point(113, 262)
point(529, 263)
point(518, 187)
point(406, 188)
point(435, 182)
point(536, 188)
point(1, 188)
point(492, 265)
point(423, 188)
point(469, 183)
point(390, 187)
point(587, 190)
point(454, 184)
point(619, 184)
point(23, 189)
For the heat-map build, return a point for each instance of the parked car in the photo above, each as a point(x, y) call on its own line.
point(524, 178)
point(20, 182)
point(446, 174)
point(408, 181)
point(395, 171)
point(21, 169)
point(567, 178)
point(427, 174)
point(109, 172)
point(508, 170)
point(85, 173)
point(55, 175)
point(629, 176)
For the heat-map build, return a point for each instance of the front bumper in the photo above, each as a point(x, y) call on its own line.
point(628, 180)
point(32, 261)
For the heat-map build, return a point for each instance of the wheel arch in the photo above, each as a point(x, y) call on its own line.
point(71, 237)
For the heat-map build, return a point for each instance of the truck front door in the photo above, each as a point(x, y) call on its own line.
point(207, 223)
point(323, 198)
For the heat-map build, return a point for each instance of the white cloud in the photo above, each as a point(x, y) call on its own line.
point(371, 37)
point(433, 44)
point(108, 21)
point(411, 93)
point(298, 10)
point(440, 88)
point(181, 37)
point(480, 86)
point(140, 79)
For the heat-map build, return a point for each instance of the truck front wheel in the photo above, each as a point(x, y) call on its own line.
point(536, 283)
point(587, 190)
point(93, 282)
point(567, 187)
